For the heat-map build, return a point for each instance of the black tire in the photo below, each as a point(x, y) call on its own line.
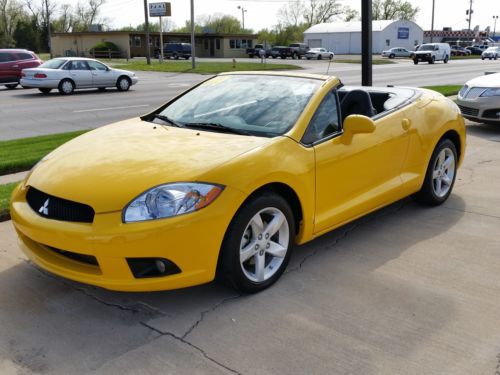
point(427, 194)
point(482, 58)
point(496, 57)
point(123, 83)
point(320, 57)
point(274, 57)
point(66, 87)
point(175, 56)
point(445, 59)
point(308, 58)
point(295, 56)
point(101, 89)
point(238, 274)
point(11, 86)
point(415, 61)
point(251, 56)
point(432, 60)
point(391, 56)
point(45, 90)
point(331, 57)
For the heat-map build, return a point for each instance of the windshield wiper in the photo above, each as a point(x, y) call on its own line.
point(168, 120)
point(216, 126)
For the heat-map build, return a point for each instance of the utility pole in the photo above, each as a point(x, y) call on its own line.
point(469, 13)
point(146, 27)
point(432, 24)
point(366, 43)
point(243, 10)
point(193, 62)
point(495, 18)
point(49, 31)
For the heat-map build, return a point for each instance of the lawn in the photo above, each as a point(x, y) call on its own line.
point(446, 90)
point(201, 67)
point(5, 193)
point(21, 154)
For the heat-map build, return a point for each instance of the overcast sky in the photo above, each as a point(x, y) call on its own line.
point(262, 13)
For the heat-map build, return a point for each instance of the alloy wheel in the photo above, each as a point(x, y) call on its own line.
point(443, 172)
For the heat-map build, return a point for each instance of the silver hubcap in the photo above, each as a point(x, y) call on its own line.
point(264, 244)
point(123, 84)
point(443, 172)
point(67, 87)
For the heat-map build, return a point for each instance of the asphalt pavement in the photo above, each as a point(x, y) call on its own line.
point(25, 113)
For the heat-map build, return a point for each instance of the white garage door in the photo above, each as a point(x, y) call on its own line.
point(314, 43)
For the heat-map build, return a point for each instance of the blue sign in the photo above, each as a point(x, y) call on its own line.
point(403, 32)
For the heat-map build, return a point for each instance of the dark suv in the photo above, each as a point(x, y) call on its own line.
point(175, 50)
point(12, 62)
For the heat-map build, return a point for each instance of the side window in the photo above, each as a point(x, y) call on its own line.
point(6, 57)
point(94, 65)
point(24, 56)
point(325, 121)
point(78, 65)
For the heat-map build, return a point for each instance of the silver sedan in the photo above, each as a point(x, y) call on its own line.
point(319, 53)
point(70, 73)
point(479, 99)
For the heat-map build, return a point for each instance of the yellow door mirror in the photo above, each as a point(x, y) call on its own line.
point(357, 124)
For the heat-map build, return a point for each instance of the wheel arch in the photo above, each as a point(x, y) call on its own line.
point(124, 76)
point(453, 136)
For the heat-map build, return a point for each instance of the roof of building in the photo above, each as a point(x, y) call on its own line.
point(347, 27)
point(153, 33)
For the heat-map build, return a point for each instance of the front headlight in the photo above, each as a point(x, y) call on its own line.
point(170, 200)
point(491, 92)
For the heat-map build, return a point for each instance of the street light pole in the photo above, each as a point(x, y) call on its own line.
point(146, 29)
point(243, 10)
point(193, 52)
point(432, 24)
point(495, 18)
point(366, 43)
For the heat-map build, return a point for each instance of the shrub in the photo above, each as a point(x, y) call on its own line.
point(105, 47)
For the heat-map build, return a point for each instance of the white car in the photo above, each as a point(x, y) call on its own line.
point(479, 99)
point(396, 52)
point(69, 73)
point(491, 53)
point(319, 53)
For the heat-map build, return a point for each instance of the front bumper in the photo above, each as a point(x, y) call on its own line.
point(480, 109)
point(191, 241)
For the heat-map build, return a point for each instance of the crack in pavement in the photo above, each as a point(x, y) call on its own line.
point(139, 307)
point(197, 348)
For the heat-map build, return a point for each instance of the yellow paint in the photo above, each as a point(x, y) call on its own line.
point(372, 164)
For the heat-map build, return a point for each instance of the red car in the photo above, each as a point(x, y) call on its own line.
point(12, 62)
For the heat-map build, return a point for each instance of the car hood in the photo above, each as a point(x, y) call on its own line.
point(490, 80)
point(108, 167)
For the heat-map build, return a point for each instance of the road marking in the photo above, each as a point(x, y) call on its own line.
point(109, 108)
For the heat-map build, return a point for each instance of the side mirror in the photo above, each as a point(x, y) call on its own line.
point(358, 124)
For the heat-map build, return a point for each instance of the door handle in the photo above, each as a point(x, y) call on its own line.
point(406, 124)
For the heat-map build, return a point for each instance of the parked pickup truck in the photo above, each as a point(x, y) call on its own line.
point(294, 50)
point(251, 52)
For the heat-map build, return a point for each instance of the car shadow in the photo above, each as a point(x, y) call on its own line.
point(489, 132)
point(34, 93)
point(52, 324)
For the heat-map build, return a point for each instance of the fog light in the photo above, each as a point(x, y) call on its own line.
point(152, 267)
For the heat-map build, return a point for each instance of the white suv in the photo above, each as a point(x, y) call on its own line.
point(491, 53)
point(432, 52)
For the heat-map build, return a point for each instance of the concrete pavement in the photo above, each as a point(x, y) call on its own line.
point(406, 290)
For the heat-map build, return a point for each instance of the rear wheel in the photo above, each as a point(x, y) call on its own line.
point(432, 60)
point(440, 175)
point(391, 56)
point(445, 60)
point(66, 87)
point(123, 83)
point(319, 57)
point(44, 90)
point(11, 86)
point(415, 61)
point(330, 57)
point(258, 243)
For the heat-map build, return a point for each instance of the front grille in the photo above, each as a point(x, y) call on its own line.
point(492, 113)
point(474, 92)
point(469, 111)
point(82, 258)
point(56, 208)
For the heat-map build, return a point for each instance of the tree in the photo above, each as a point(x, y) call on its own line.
point(309, 12)
point(350, 14)
point(10, 13)
point(394, 10)
point(26, 35)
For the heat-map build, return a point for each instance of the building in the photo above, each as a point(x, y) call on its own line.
point(133, 44)
point(345, 37)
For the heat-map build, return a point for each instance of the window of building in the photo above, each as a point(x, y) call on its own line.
point(238, 43)
point(244, 43)
point(387, 42)
point(137, 41)
point(250, 43)
point(232, 43)
point(205, 44)
point(217, 43)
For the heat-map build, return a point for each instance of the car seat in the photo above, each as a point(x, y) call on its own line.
point(357, 102)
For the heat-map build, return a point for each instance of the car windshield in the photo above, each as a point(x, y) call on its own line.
point(491, 49)
point(53, 64)
point(247, 104)
point(426, 48)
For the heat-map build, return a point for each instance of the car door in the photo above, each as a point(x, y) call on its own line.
point(357, 174)
point(80, 73)
point(102, 76)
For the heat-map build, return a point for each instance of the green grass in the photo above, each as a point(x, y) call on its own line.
point(201, 67)
point(5, 193)
point(470, 57)
point(21, 154)
point(446, 90)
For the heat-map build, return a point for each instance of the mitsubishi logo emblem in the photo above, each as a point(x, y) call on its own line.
point(45, 208)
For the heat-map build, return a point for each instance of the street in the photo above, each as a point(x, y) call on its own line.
point(27, 113)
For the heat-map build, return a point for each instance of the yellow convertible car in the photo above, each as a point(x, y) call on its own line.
point(226, 178)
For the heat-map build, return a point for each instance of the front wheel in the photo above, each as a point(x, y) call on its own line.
point(11, 86)
point(415, 61)
point(391, 56)
point(330, 57)
point(445, 60)
point(123, 84)
point(432, 60)
point(258, 243)
point(319, 57)
point(440, 175)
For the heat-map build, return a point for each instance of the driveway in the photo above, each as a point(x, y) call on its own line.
point(406, 290)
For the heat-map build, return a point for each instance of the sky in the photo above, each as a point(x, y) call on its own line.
point(263, 13)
